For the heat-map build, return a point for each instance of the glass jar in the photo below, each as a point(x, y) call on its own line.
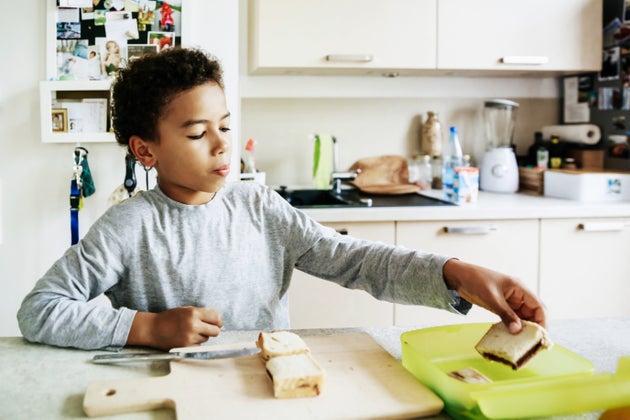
point(432, 135)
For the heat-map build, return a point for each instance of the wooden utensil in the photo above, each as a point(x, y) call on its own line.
point(362, 381)
point(387, 174)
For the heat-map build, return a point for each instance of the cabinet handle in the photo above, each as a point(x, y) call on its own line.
point(350, 58)
point(531, 60)
point(470, 230)
point(602, 226)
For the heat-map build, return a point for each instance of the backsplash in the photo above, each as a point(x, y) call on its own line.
point(368, 127)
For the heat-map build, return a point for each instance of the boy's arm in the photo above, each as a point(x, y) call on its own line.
point(177, 327)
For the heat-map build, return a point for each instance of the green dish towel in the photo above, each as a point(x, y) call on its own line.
point(322, 161)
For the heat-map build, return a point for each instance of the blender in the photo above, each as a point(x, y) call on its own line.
point(498, 169)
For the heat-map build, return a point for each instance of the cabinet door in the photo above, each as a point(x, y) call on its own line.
point(510, 247)
point(317, 303)
point(532, 35)
point(342, 34)
point(584, 267)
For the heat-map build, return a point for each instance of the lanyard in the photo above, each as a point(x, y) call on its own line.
point(81, 185)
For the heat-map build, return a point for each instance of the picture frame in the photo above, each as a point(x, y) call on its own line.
point(59, 120)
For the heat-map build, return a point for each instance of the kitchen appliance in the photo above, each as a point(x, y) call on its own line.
point(499, 170)
point(362, 381)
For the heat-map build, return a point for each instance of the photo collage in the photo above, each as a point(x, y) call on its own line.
point(96, 37)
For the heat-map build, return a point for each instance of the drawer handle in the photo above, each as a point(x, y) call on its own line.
point(530, 60)
point(470, 230)
point(350, 58)
point(602, 226)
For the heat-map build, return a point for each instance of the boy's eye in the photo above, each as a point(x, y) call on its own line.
point(225, 129)
point(197, 137)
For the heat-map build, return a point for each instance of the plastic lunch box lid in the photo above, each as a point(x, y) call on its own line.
point(555, 382)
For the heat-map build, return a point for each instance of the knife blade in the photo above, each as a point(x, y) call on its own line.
point(199, 353)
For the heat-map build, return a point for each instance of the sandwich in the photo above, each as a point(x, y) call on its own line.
point(290, 365)
point(514, 350)
point(280, 343)
point(295, 376)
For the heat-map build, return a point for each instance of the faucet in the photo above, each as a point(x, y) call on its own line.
point(336, 177)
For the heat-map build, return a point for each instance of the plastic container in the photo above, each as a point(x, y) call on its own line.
point(555, 382)
point(452, 159)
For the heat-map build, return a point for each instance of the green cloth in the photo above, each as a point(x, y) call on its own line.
point(322, 161)
point(87, 183)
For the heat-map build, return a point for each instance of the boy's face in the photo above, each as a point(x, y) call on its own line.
point(193, 151)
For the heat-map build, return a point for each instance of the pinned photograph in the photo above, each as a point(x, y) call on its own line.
point(137, 50)
point(72, 59)
point(100, 17)
point(162, 39)
point(68, 30)
point(611, 64)
point(59, 120)
point(113, 55)
point(95, 66)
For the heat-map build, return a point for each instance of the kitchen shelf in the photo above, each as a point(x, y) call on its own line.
point(71, 89)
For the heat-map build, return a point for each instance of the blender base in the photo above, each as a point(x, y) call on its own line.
point(499, 171)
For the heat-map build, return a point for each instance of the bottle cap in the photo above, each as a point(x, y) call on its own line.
point(453, 129)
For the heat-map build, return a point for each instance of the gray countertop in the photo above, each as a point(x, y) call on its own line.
point(40, 381)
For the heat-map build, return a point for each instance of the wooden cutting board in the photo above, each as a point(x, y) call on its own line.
point(362, 381)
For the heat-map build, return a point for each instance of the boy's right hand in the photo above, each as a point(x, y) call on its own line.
point(178, 327)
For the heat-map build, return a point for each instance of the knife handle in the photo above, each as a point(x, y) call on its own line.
point(132, 357)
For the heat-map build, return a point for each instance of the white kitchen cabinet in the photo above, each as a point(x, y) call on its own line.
point(508, 246)
point(360, 36)
point(317, 303)
point(584, 267)
point(533, 35)
point(424, 36)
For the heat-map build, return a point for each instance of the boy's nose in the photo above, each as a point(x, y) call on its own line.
point(221, 144)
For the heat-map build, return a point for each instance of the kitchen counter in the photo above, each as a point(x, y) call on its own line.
point(41, 381)
point(489, 206)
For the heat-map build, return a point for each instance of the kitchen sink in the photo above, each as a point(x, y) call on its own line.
point(311, 198)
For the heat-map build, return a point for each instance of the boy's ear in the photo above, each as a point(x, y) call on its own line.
point(142, 151)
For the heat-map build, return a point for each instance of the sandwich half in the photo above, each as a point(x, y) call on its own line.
point(280, 343)
point(514, 350)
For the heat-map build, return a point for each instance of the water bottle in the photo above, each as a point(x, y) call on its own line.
point(451, 160)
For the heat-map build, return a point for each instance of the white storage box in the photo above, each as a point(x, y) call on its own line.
point(587, 186)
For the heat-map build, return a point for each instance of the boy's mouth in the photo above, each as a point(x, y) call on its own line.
point(222, 170)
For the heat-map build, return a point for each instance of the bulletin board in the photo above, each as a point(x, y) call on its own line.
point(96, 37)
point(603, 98)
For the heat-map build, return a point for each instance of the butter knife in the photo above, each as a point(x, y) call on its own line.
point(199, 353)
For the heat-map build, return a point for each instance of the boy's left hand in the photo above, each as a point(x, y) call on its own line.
point(497, 292)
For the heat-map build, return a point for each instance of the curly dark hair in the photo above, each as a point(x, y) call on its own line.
point(142, 90)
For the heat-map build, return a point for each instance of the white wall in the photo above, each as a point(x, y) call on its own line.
point(369, 115)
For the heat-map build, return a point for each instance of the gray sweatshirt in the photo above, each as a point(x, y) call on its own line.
point(235, 253)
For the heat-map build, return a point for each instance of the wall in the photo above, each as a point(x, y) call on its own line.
point(369, 115)
point(369, 127)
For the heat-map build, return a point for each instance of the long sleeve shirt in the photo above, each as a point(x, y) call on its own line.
point(235, 253)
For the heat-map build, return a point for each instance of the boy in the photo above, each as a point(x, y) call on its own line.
point(194, 255)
